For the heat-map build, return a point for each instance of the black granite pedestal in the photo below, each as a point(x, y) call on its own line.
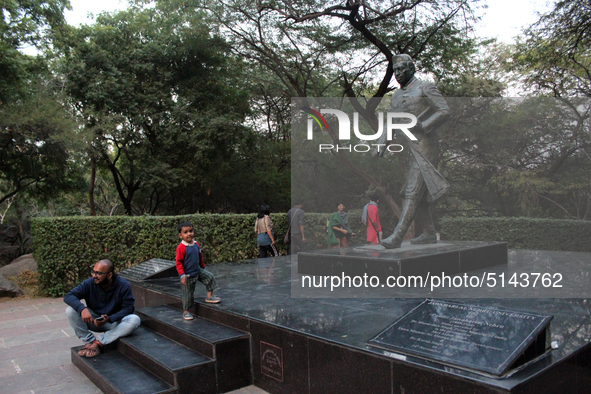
point(449, 257)
point(320, 345)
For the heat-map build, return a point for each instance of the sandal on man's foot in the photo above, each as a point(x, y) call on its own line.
point(82, 352)
point(95, 350)
point(213, 300)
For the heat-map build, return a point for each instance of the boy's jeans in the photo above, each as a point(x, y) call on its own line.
point(112, 331)
point(187, 290)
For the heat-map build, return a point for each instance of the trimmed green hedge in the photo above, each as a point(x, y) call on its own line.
point(66, 247)
point(522, 233)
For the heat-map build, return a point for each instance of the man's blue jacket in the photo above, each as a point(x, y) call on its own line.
point(117, 302)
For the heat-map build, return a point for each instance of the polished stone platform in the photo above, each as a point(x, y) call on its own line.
point(319, 345)
point(449, 257)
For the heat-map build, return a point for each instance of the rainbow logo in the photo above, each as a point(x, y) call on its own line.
point(317, 117)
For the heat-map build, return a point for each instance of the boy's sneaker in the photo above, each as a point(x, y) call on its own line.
point(213, 300)
point(187, 316)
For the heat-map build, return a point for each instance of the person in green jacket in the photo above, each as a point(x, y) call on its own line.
point(338, 228)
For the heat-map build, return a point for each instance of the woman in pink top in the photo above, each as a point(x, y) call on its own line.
point(371, 218)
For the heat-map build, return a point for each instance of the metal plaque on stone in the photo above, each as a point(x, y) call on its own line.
point(271, 361)
point(484, 339)
point(151, 269)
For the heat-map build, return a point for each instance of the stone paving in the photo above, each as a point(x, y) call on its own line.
point(35, 342)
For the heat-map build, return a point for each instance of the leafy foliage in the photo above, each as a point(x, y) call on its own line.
point(319, 48)
point(37, 151)
point(342, 48)
point(66, 247)
point(516, 157)
point(35, 144)
point(164, 106)
point(521, 233)
point(24, 22)
point(555, 55)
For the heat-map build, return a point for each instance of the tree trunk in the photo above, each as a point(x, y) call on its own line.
point(91, 186)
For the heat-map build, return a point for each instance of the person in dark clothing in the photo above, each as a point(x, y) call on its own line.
point(339, 231)
point(296, 220)
point(109, 309)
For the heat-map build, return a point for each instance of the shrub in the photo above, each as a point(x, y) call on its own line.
point(522, 233)
point(66, 247)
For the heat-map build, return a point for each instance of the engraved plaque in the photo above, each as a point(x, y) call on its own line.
point(485, 339)
point(271, 361)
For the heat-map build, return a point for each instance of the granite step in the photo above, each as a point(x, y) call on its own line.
point(229, 347)
point(179, 366)
point(115, 373)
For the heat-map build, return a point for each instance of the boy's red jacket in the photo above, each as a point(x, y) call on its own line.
point(189, 259)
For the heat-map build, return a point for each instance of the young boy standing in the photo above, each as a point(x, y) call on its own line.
point(191, 268)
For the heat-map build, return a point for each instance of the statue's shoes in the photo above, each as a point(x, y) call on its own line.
point(424, 239)
point(388, 244)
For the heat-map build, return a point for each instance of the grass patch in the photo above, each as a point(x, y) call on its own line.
point(29, 282)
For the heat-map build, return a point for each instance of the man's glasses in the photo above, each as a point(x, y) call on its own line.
point(97, 273)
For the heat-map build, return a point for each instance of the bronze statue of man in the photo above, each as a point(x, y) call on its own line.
point(423, 183)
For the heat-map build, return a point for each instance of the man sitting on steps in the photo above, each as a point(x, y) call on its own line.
point(109, 309)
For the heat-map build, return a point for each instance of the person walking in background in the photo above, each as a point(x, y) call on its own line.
point(371, 219)
point(338, 228)
point(263, 227)
point(191, 268)
point(295, 218)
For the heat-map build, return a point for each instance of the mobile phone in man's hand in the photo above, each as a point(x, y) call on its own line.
point(100, 318)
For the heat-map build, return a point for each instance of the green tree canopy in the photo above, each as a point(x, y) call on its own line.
point(161, 96)
point(343, 48)
point(35, 127)
point(35, 144)
point(24, 23)
point(555, 55)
